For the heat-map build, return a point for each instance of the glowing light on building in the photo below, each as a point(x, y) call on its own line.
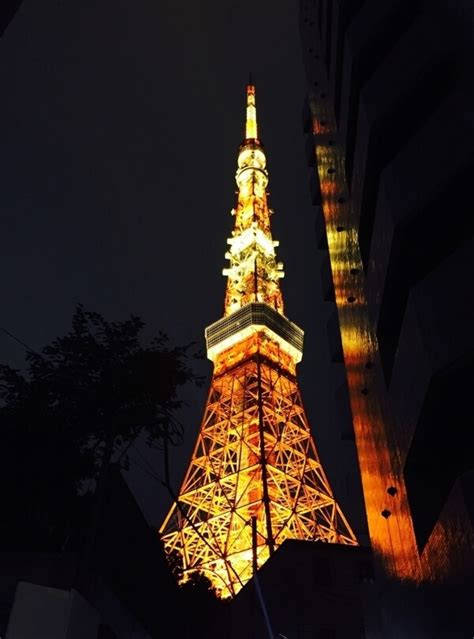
point(388, 517)
point(255, 478)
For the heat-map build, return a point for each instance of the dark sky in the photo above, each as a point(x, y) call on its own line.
point(120, 124)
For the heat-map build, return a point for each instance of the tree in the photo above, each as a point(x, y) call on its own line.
point(84, 400)
point(197, 596)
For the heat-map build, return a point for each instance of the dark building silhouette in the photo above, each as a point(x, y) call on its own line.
point(8, 9)
point(308, 589)
point(390, 146)
point(125, 590)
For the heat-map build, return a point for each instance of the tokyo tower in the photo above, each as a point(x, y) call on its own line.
point(254, 478)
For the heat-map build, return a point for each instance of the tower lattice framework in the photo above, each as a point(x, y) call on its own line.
point(254, 478)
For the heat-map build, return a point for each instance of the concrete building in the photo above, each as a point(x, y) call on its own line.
point(125, 591)
point(308, 590)
point(390, 145)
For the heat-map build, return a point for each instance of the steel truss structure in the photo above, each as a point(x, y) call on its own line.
point(254, 457)
point(254, 478)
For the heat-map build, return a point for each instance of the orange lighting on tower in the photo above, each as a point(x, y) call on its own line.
point(251, 121)
point(254, 459)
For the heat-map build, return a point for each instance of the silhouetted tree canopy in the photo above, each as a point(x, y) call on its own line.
point(197, 596)
point(81, 403)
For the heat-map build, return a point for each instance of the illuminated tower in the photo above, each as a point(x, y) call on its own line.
point(255, 478)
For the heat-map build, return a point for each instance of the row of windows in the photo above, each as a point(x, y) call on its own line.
point(254, 314)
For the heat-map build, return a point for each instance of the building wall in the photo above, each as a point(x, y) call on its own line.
point(39, 611)
point(346, 483)
point(126, 581)
point(8, 9)
point(307, 589)
point(40, 596)
point(390, 131)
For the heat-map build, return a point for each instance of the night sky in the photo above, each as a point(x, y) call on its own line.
point(120, 124)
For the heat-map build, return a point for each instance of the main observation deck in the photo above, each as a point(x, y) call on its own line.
point(252, 318)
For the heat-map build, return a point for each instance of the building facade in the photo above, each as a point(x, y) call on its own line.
point(390, 146)
point(306, 590)
point(123, 590)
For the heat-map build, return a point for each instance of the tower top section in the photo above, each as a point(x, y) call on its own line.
point(254, 273)
point(254, 301)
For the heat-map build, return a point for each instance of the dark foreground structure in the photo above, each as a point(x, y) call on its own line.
point(390, 145)
point(8, 9)
point(124, 590)
point(308, 589)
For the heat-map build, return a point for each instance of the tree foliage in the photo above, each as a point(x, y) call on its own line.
point(197, 596)
point(82, 401)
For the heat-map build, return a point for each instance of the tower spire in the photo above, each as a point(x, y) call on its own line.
point(254, 273)
point(251, 120)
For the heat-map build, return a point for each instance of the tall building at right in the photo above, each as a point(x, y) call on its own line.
point(389, 123)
